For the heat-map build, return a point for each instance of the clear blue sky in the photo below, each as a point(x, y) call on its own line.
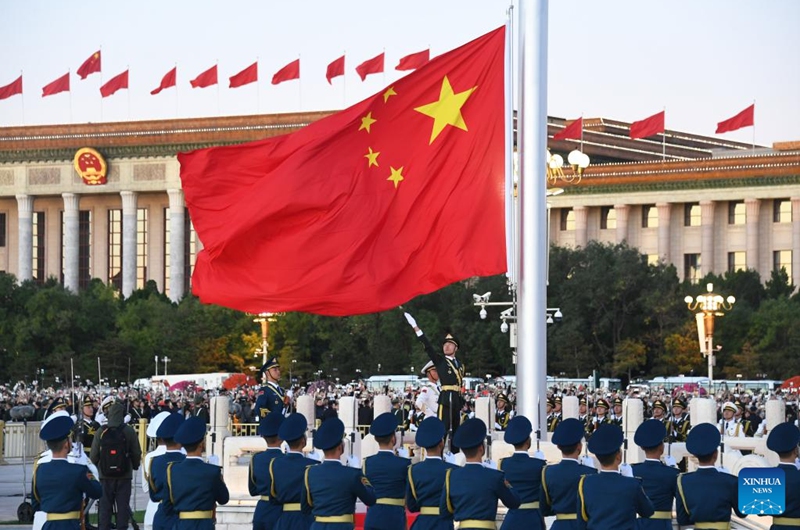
point(702, 60)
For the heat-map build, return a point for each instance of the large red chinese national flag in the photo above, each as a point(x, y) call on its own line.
point(11, 89)
point(746, 118)
point(117, 82)
point(396, 196)
point(90, 65)
point(648, 126)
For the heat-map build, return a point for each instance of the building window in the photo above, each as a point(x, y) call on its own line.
point(2, 229)
point(737, 261)
point(782, 211)
point(115, 248)
point(782, 259)
point(37, 270)
point(84, 248)
point(608, 218)
point(141, 247)
point(691, 267)
point(691, 214)
point(567, 219)
point(736, 213)
point(649, 216)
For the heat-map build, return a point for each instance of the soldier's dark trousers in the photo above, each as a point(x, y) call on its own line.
point(451, 419)
point(116, 494)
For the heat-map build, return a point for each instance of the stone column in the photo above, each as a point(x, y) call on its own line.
point(25, 237)
point(177, 242)
point(581, 225)
point(128, 242)
point(795, 239)
point(707, 236)
point(632, 417)
point(622, 211)
point(752, 207)
point(71, 241)
point(664, 211)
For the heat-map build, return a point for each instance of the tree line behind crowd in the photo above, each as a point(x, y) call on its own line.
point(621, 316)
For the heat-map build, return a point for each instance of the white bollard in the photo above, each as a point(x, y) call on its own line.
point(484, 411)
point(305, 406)
point(220, 414)
point(776, 413)
point(632, 417)
point(348, 412)
point(381, 404)
point(703, 410)
point(570, 407)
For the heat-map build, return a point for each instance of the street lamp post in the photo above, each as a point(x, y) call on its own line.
point(156, 360)
point(291, 366)
point(708, 307)
point(264, 319)
point(166, 360)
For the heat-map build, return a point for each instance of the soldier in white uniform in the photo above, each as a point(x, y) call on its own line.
point(428, 398)
point(728, 425)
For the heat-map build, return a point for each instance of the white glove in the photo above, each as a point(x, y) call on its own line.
point(317, 455)
point(410, 320)
point(723, 469)
point(498, 427)
point(587, 461)
point(670, 461)
point(449, 457)
point(626, 470)
point(127, 418)
point(402, 451)
point(213, 460)
point(539, 455)
point(489, 464)
point(93, 469)
point(354, 461)
point(797, 463)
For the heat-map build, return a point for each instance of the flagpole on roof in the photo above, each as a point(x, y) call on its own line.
point(101, 81)
point(344, 81)
point(176, 90)
point(69, 76)
point(664, 138)
point(754, 126)
point(218, 90)
point(532, 287)
point(582, 125)
point(258, 89)
point(128, 90)
point(22, 96)
point(299, 83)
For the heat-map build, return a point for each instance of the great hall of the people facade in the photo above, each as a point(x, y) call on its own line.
point(701, 203)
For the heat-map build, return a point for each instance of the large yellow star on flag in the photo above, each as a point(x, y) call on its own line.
point(367, 121)
point(396, 176)
point(372, 157)
point(447, 110)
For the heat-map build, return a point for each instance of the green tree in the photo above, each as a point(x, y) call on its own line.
point(630, 355)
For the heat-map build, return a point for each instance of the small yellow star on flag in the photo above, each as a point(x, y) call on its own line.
point(447, 110)
point(389, 93)
point(396, 176)
point(367, 121)
point(372, 157)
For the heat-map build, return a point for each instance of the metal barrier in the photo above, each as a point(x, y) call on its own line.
point(19, 441)
point(251, 429)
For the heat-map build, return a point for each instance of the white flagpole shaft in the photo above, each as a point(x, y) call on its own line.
point(511, 229)
point(532, 289)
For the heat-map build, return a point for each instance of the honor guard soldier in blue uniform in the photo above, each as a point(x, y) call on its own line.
point(259, 481)
point(471, 492)
point(451, 375)
point(609, 499)
point(287, 472)
point(166, 518)
point(270, 397)
point(426, 479)
point(330, 490)
point(783, 440)
point(388, 474)
point(525, 475)
point(658, 480)
point(560, 481)
point(195, 487)
point(706, 496)
point(58, 486)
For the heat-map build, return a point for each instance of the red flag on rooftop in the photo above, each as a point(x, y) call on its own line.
point(59, 85)
point(245, 77)
point(207, 78)
point(335, 69)
point(89, 66)
point(370, 66)
point(287, 73)
point(648, 126)
point(11, 89)
point(746, 118)
point(117, 82)
point(572, 131)
point(414, 60)
point(169, 80)
point(396, 196)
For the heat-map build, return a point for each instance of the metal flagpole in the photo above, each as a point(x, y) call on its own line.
point(258, 93)
point(754, 126)
point(22, 96)
point(664, 137)
point(511, 228)
point(532, 119)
